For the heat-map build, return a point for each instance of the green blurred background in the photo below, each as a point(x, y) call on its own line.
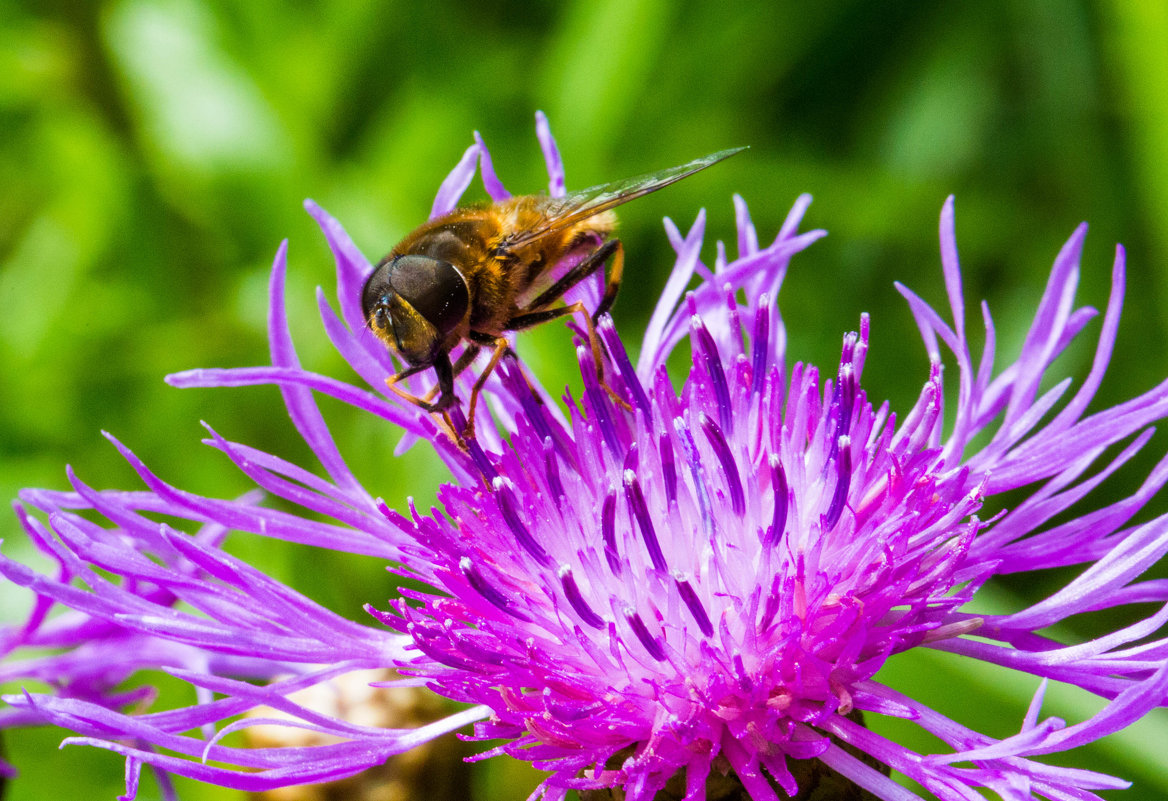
point(154, 153)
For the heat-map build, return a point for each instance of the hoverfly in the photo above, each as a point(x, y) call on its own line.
point(482, 271)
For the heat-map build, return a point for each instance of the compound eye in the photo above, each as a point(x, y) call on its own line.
point(373, 295)
point(435, 288)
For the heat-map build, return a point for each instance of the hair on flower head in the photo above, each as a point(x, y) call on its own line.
point(704, 584)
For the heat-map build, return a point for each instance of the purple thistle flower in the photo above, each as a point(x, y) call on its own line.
point(708, 582)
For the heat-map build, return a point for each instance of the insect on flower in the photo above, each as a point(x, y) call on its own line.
point(481, 271)
point(722, 583)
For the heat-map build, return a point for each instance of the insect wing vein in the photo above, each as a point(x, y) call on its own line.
point(589, 202)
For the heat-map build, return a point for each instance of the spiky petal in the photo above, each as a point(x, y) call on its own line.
point(711, 578)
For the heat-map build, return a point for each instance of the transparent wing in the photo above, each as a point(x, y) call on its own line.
point(581, 205)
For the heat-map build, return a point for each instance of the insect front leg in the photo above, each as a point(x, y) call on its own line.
point(392, 383)
point(445, 373)
point(464, 361)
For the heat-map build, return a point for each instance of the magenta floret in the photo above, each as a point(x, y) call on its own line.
point(710, 578)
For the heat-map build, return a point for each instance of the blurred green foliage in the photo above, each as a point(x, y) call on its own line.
point(155, 152)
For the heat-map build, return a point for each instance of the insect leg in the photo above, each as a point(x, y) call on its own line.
point(391, 382)
point(501, 348)
point(406, 373)
point(486, 340)
point(445, 373)
point(587, 267)
point(612, 286)
point(530, 319)
point(421, 403)
point(464, 361)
